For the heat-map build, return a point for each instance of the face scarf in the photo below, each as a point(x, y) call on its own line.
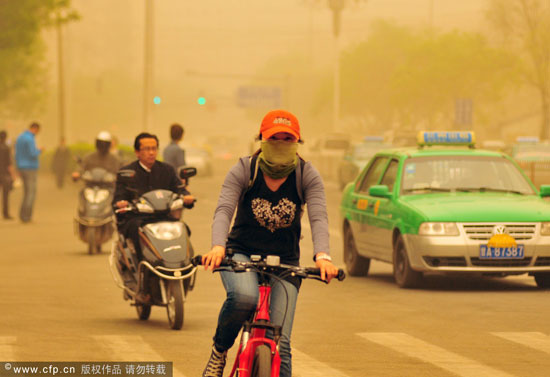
point(278, 158)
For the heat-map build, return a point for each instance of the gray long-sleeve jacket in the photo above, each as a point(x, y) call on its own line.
point(310, 188)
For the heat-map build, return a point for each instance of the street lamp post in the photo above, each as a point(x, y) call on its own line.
point(147, 64)
point(336, 6)
point(60, 77)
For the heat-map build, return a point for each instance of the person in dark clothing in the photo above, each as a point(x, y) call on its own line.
point(150, 174)
point(101, 158)
point(7, 174)
point(60, 163)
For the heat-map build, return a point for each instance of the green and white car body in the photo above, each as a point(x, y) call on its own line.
point(446, 207)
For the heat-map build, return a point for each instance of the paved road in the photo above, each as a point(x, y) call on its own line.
point(60, 304)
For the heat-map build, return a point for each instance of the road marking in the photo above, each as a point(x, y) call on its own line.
point(429, 353)
point(306, 366)
point(535, 340)
point(131, 348)
point(7, 349)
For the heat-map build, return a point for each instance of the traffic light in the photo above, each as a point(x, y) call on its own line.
point(201, 100)
point(156, 100)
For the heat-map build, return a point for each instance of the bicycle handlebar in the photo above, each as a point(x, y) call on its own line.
point(263, 266)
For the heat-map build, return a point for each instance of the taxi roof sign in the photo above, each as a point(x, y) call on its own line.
point(428, 138)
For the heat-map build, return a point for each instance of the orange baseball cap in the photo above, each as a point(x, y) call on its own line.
point(279, 121)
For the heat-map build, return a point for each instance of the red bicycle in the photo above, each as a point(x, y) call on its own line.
point(258, 355)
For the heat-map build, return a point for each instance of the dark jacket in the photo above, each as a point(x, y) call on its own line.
point(107, 161)
point(162, 176)
point(5, 160)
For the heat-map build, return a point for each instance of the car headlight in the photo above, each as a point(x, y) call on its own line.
point(438, 229)
point(545, 229)
point(166, 230)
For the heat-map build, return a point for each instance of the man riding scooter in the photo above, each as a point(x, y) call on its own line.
point(94, 217)
point(100, 158)
point(150, 174)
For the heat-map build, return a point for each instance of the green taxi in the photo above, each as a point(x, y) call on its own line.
point(446, 207)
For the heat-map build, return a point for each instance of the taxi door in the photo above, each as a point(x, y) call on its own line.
point(364, 207)
point(381, 217)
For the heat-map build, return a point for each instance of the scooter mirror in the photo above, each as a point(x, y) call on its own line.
point(125, 175)
point(187, 172)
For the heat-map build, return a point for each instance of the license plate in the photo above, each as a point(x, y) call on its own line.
point(486, 252)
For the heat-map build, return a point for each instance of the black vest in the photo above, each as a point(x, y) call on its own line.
point(267, 222)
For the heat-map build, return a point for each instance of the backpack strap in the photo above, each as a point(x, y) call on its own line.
point(253, 169)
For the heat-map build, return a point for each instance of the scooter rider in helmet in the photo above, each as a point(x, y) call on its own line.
point(101, 158)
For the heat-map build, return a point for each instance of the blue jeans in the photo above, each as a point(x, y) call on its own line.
point(29, 193)
point(240, 304)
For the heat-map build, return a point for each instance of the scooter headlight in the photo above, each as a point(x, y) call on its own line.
point(89, 194)
point(166, 230)
point(95, 196)
point(101, 195)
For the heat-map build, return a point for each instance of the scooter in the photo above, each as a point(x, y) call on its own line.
point(165, 274)
point(93, 222)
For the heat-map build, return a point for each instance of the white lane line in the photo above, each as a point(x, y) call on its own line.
point(7, 349)
point(306, 366)
point(429, 353)
point(131, 348)
point(535, 340)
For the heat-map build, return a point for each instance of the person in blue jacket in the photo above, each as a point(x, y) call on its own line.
point(26, 160)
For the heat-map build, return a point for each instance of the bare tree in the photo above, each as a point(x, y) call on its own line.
point(525, 26)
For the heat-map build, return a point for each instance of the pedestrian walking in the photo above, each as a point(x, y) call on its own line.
point(26, 160)
point(60, 163)
point(7, 174)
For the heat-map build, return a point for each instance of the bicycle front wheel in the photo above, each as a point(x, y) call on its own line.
point(262, 362)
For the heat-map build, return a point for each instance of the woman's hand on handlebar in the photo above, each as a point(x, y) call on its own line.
point(213, 258)
point(328, 270)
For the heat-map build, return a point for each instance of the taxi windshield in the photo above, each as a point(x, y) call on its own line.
point(462, 174)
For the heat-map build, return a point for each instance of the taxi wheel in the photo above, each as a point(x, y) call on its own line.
point(542, 280)
point(404, 275)
point(355, 264)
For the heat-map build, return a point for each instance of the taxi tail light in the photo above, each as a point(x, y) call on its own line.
point(545, 229)
point(438, 229)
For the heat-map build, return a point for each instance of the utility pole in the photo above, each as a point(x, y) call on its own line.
point(147, 65)
point(336, 6)
point(60, 78)
point(431, 14)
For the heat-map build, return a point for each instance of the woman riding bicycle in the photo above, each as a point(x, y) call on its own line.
point(269, 190)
